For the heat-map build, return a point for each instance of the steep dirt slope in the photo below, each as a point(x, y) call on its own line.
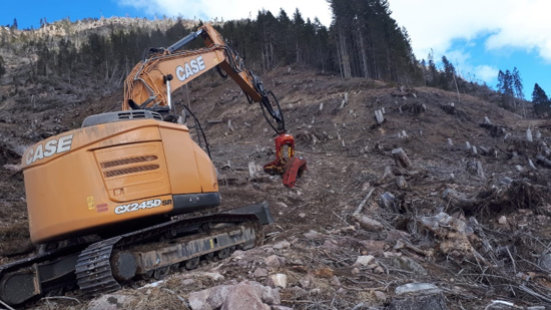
point(474, 224)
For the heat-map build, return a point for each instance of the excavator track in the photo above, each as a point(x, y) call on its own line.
point(104, 266)
point(93, 268)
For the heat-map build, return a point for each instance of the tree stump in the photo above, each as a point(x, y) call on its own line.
point(401, 158)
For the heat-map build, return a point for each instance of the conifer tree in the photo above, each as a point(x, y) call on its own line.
point(2, 67)
point(540, 101)
point(517, 84)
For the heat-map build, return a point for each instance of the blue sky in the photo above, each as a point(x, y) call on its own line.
point(29, 13)
point(482, 37)
point(478, 37)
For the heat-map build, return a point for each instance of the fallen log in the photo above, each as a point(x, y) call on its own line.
point(543, 161)
point(459, 200)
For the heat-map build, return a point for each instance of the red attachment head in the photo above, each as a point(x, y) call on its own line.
point(281, 141)
point(285, 163)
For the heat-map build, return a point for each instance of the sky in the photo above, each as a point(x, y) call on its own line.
point(478, 37)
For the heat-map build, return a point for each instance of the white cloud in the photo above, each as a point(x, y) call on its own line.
point(235, 9)
point(486, 73)
point(463, 65)
point(433, 24)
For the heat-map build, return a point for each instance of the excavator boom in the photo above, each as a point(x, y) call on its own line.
point(152, 81)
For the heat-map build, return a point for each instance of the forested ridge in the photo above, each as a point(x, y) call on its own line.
point(362, 41)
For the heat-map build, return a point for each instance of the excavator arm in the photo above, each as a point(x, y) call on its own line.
point(152, 81)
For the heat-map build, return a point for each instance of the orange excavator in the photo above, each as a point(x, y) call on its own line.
point(130, 194)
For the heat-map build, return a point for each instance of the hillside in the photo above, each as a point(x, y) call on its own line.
point(464, 222)
point(467, 214)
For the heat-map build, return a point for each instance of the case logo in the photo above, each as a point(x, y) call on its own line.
point(48, 149)
point(190, 68)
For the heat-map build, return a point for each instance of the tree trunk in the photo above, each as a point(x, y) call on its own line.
point(345, 58)
point(363, 54)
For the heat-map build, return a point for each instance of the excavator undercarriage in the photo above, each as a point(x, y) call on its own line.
point(104, 266)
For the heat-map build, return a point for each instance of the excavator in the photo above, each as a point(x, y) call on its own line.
point(130, 194)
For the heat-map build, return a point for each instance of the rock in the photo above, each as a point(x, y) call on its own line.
point(312, 234)
point(245, 295)
point(502, 220)
point(418, 296)
point(379, 270)
point(281, 308)
point(238, 255)
point(467, 146)
point(306, 281)
point(279, 280)
point(380, 296)
point(296, 292)
point(188, 282)
point(387, 201)
point(355, 271)
point(253, 170)
point(282, 245)
point(415, 288)
point(425, 302)
point(487, 120)
point(112, 302)
point(450, 142)
point(274, 261)
point(364, 260)
point(260, 272)
point(315, 291)
point(209, 299)
point(216, 276)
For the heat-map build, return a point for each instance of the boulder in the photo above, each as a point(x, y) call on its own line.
point(418, 296)
point(245, 295)
point(112, 302)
